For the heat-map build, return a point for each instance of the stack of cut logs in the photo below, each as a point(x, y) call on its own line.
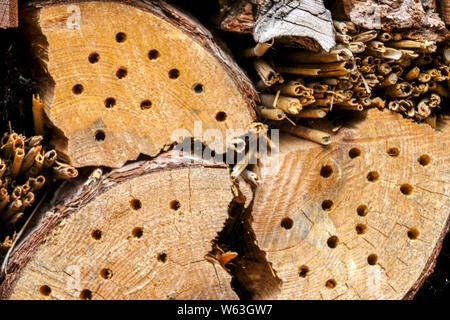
point(25, 167)
point(367, 68)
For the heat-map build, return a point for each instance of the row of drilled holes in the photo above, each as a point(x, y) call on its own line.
point(332, 242)
point(105, 273)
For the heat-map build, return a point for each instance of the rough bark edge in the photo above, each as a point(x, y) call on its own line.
point(188, 24)
point(9, 16)
point(83, 195)
point(429, 266)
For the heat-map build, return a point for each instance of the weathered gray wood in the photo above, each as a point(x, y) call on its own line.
point(307, 19)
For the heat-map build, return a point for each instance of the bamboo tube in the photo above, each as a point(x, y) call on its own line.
point(272, 114)
point(333, 66)
point(436, 87)
point(318, 87)
point(16, 193)
point(393, 105)
point(334, 73)
point(357, 107)
point(241, 165)
point(308, 133)
point(357, 47)
point(28, 199)
point(365, 36)
point(2, 168)
point(351, 27)
point(33, 141)
point(293, 88)
point(446, 55)
point(419, 89)
point(376, 46)
point(8, 146)
point(65, 173)
point(322, 102)
point(384, 69)
point(14, 218)
point(378, 102)
point(38, 163)
point(367, 69)
point(38, 114)
point(397, 69)
point(307, 100)
point(423, 59)
point(37, 183)
point(287, 104)
point(257, 51)
point(391, 53)
point(344, 85)
point(331, 81)
point(29, 158)
point(409, 54)
point(299, 71)
point(13, 207)
point(399, 90)
point(435, 100)
point(423, 108)
point(18, 158)
point(267, 74)
point(365, 101)
point(49, 158)
point(424, 77)
point(343, 38)
point(4, 199)
point(251, 176)
point(425, 45)
point(412, 74)
point(303, 56)
point(397, 36)
point(19, 143)
point(311, 114)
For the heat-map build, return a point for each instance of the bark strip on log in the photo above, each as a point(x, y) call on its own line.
point(363, 218)
point(140, 232)
point(111, 92)
point(8, 14)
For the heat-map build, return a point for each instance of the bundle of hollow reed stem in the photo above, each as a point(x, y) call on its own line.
point(367, 68)
point(26, 168)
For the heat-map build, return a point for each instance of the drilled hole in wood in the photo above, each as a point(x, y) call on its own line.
point(372, 259)
point(100, 135)
point(135, 204)
point(137, 232)
point(153, 54)
point(146, 104)
point(121, 37)
point(121, 73)
point(287, 223)
point(393, 152)
point(326, 171)
point(424, 160)
point(406, 189)
point(303, 271)
point(362, 210)
point(106, 273)
point(330, 284)
point(175, 205)
point(332, 242)
point(45, 290)
point(94, 57)
point(372, 176)
point(413, 233)
point(162, 257)
point(78, 89)
point(174, 73)
point(361, 228)
point(221, 116)
point(86, 294)
point(96, 234)
point(197, 88)
point(354, 153)
point(110, 102)
point(327, 205)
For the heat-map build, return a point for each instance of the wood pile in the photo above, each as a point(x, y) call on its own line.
point(319, 172)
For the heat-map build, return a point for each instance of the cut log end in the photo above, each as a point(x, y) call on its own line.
point(128, 93)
